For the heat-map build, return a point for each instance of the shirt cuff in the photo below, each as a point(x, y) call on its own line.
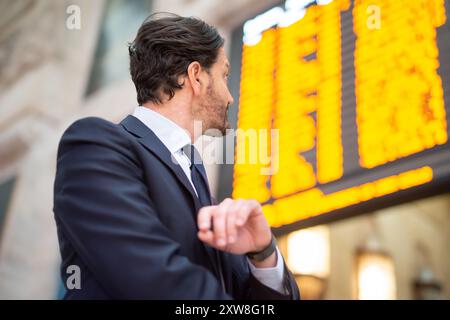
point(271, 277)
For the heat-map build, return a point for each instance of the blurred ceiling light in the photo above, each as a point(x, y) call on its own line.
point(375, 273)
point(253, 28)
point(426, 286)
point(309, 251)
point(323, 2)
point(277, 16)
point(308, 256)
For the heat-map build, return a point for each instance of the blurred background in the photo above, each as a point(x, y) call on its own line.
point(358, 92)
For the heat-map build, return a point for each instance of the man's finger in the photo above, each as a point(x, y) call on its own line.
point(233, 211)
point(246, 209)
point(207, 237)
point(204, 217)
point(219, 222)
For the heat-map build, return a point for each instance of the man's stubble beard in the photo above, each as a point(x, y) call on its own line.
point(216, 117)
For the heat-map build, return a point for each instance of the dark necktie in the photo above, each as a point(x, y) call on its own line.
point(198, 175)
point(200, 182)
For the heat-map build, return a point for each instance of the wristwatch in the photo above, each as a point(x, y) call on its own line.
point(263, 254)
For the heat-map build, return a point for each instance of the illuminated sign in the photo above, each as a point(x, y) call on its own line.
point(359, 92)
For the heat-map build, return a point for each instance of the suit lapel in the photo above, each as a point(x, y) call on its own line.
point(150, 141)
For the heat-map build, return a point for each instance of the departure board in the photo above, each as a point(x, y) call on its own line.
point(343, 107)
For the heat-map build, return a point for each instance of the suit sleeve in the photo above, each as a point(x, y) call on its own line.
point(260, 291)
point(247, 286)
point(104, 209)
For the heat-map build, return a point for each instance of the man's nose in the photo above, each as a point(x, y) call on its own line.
point(230, 100)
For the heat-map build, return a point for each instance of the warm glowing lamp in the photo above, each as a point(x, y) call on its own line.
point(375, 274)
point(308, 256)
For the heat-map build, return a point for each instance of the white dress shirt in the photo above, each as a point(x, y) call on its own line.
point(175, 138)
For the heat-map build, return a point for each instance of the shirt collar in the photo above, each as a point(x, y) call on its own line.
point(171, 135)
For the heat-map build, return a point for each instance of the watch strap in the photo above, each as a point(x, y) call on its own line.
point(266, 252)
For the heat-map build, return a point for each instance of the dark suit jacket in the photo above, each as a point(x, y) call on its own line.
point(126, 215)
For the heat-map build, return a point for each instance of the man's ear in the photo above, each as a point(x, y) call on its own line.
point(195, 76)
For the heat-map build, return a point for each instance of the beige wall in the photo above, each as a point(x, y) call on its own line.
point(45, 72)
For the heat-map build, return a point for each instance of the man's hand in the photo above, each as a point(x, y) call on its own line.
point(235, 226)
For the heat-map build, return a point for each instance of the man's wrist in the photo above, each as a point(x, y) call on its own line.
point(266, 243)
point(269, 262)
point(265, 252)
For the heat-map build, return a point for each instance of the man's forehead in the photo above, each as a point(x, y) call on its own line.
point(223, 58)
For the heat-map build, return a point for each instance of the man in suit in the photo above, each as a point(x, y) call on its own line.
point(132, 204)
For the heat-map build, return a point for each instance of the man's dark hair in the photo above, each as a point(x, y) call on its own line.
point(163, 49)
